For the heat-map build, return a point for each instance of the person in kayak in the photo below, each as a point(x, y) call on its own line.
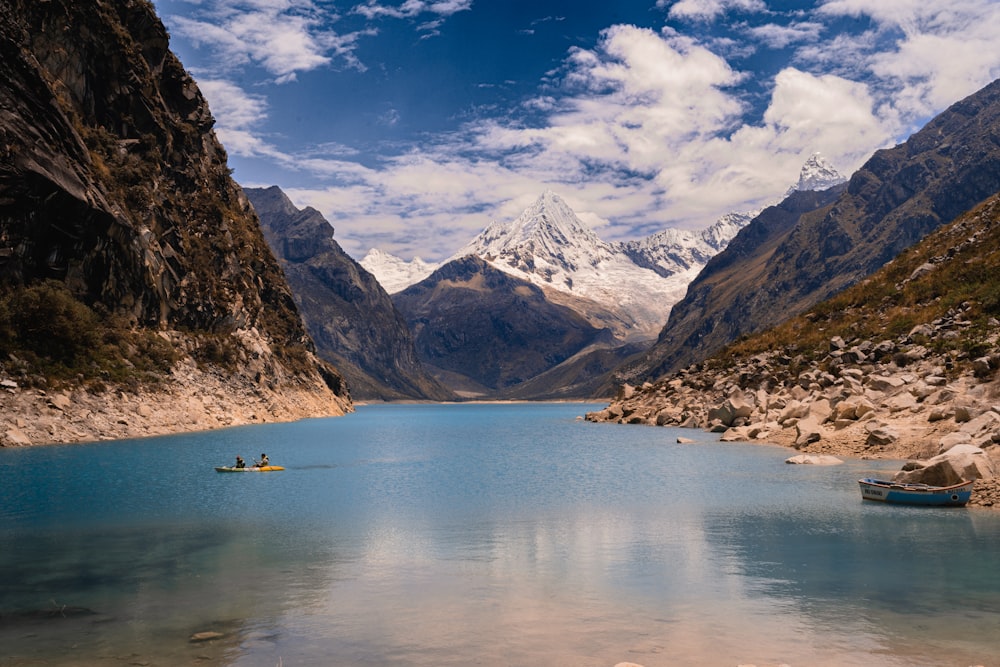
point(240, 463)
point(263, 460)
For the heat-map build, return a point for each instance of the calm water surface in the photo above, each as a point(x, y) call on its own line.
point(479, 534)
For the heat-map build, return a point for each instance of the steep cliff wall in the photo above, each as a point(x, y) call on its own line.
point(349, 315)
point(115, 190)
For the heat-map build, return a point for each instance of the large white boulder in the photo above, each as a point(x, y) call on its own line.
point(960, 463)
point(814, 459)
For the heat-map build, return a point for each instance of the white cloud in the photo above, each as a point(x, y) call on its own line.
point(649, 138)
point(281, 36)
point(938, 52)
point(707, 10)
point(410, 8)
point(780, 36)
point(237, 114)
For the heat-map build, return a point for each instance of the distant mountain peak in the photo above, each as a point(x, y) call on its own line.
point(393, 273)
point(548, 227)
point(817, 174)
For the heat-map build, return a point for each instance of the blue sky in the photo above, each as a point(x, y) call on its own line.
point(411, 124)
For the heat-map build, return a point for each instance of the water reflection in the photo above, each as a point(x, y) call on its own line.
point(456, 535)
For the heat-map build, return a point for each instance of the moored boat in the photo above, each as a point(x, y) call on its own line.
point(248, 469)
point(907, 493)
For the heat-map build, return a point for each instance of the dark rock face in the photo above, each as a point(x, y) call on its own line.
point(349, 315)
point(484, 331)
point(787, 260)
point(112, 181)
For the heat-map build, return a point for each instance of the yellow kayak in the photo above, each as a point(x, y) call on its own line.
point(248, 469)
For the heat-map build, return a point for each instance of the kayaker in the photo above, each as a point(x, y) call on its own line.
point(240, 463)
point(263, 460)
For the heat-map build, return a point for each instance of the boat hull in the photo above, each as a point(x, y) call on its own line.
point(878, 490)
point(248, 469)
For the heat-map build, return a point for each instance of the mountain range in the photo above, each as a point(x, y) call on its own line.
point(633, 284)
point(624, 291)
point(802, 252)
point(130, 261)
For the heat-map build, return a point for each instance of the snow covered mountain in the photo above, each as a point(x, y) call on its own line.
point(639, 281)
point(551, 247)
point(817, 174)
point(674, 251)
point(393, 273)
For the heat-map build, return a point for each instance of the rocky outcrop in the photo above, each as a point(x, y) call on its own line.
point(352, 319)
point(120, 222)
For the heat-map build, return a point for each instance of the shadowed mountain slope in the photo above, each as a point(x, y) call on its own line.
point(349, 315)
point(482, 330)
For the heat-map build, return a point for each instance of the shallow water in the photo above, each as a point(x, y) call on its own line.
point(504, 534)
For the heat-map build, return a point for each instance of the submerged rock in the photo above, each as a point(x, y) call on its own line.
point(814, 459)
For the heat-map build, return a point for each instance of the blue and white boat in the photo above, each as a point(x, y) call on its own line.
point(906, 493)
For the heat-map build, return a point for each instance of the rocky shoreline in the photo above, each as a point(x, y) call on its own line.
point(862, 399)
point(191, 399)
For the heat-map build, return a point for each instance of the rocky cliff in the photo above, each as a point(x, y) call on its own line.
point(129, 259)
point(349, 315)
point(897, 197)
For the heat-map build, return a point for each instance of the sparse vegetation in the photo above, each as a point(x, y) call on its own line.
point(950, 280)
point(49, 337)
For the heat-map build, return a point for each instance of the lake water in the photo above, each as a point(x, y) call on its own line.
point(509, 534)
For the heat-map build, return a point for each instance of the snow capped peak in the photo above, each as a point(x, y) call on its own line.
point(547, 231)
point(725, 229)
point(634, 283)
point(817, 174)
point(393, 273)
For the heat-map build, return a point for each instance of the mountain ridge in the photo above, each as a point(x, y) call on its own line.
point(347, 312)
point(122, 230)
point(896, 198)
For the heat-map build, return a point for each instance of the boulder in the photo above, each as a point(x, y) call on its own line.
point(853, 407)
point(884, 383)
point(736, 434)
point(901, 402)
point(721, 414)
point(952, 439)
point(734, 408)
point(60, 402)
point(814, 459)
point(881, 437)
point(807, 431)
point(16, 437)
point(685, 441)
point(988, 421)
point(939, 413)
point(793, 410)
point(820, 410)
point(960, 463)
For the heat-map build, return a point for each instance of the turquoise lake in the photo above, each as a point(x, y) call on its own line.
point(479, 534)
